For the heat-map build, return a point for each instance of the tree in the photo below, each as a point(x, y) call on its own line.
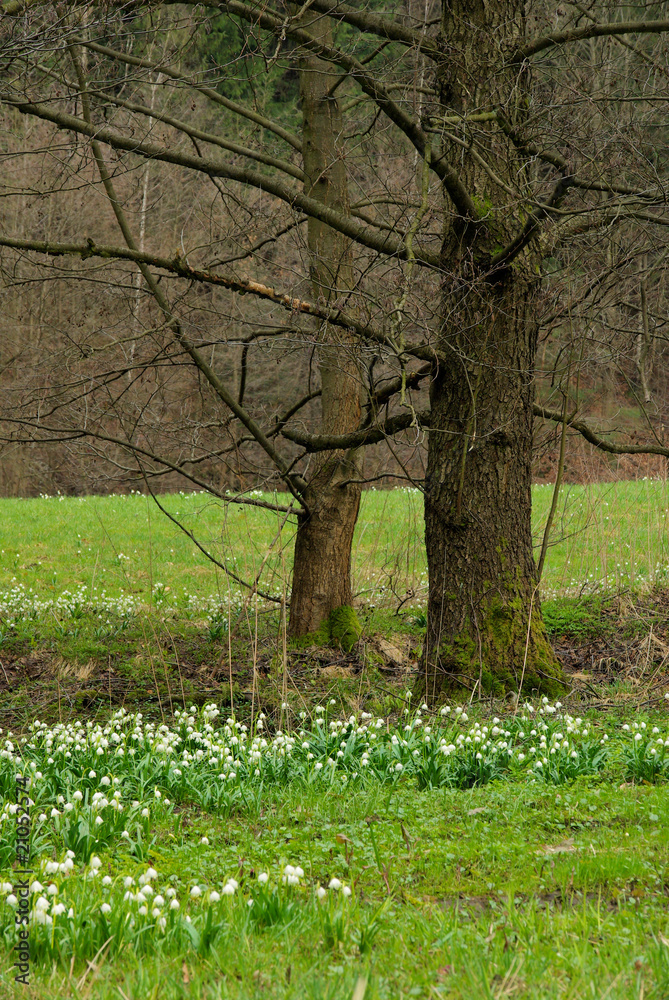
point(499, 117)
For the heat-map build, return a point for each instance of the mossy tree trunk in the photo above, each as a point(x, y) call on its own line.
point(322, 565)
point(484, 630)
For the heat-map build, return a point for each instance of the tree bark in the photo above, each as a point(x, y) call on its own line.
point(322, 565)
point(485, 631)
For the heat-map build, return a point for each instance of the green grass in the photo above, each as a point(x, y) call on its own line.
point(517, 888)
point(607, 536)
point(537, 885)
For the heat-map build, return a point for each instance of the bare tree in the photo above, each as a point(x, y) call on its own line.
point(551, 190)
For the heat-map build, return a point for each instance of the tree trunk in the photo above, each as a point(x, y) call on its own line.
point(322, 566)
point(485, 631)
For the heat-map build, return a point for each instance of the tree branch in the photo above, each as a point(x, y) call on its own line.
point(383, 244)
point(179, 266)
point(586, 431)
point(355, 439)
point(587, 31)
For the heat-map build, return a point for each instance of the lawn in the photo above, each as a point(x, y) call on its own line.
point(606, 536)
point(299, 828)
point(515, 856)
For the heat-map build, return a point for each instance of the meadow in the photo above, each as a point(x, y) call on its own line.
point(605, 536)
point(315, 835)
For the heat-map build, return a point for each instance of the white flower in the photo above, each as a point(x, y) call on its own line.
point(174, 905)
point(69, 854)
point(159, 901)
point(346, 891)
point(52, 889)
point(143, 910)
point(92, 774)
point(214, 897)
point(58, 908)
point(12, 900)
point(229, 888)
point(128, 881)
point(105, 781)
point(321, 892)
point(105, 908)
point(196, 891)
point(334, 884)
point(151, 873)
point(95, 862)
point(170, 893)
point(145, 813)
point(263, 878)
point(36, 886)
point(204, 840)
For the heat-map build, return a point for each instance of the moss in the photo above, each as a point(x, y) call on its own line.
point(345, 628)
point(341, 628)
point(499, 653)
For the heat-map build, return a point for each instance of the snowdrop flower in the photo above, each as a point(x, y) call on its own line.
point(58, 909)
point(12, 900)
point(151, 873)
point(214, 897)
point(346, 891)
point(128, 881)
point(143, 910)
point(334, 884)
point(174, 905)
point(228, 889)
point(263, 878)
point(95, 862)
point(92, 774)
point(105, 908)
point(145, 813)
point(204, 840)
point(36, 886)
point(321, 892)
point(196, 891)
point(52, 889)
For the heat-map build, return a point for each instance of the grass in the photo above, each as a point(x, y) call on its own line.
point(470, 877)
point(517, 888)
point(606, 536)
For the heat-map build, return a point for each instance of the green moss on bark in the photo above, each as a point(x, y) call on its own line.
point(497, 654)
point(341, 629)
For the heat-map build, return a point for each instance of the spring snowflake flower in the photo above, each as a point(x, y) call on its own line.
point(214, 897)
point(105, 908)
point(12, 900)
point(143, 910)
point(204, 840)
point(345, 891)
point(196, 891)
point(321, 892)
point(334, 884)
point(175, 904)
point(95, 862)
point(263, 878)
point(58, 909)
